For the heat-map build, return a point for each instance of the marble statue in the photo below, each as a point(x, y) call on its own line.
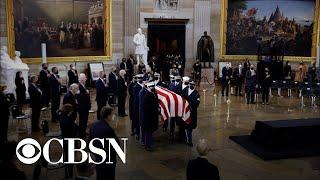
point(142, 49)
point(7, 71)
point(205, 50)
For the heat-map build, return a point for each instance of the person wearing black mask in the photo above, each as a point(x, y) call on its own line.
point(72, 75)
point(68, 130)
point(44, 85)
point(20, 90)
point(101, 92)
point(225, 80)
point(55, 85)
point(150, 121)
point(157, 81)
point(251, 84)
point(130, 63)
point(71, 98)
point(193, 98)
point(265, 86)
point(35, 103)
point(4, 111)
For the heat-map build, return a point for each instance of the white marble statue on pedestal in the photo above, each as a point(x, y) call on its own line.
point(8, 70)
point(23, 67)
point(142, 49)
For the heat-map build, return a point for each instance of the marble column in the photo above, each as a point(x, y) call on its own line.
point(131, 24)
point(202, 14)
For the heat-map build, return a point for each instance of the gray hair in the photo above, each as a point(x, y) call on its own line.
point(202, 147)
point(73, 86)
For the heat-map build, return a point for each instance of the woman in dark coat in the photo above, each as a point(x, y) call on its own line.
point(69, 129)
point(20, 89)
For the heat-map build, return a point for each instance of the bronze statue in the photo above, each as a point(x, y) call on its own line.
point(205, 50)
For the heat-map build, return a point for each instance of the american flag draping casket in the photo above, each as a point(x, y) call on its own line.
point(172, 105)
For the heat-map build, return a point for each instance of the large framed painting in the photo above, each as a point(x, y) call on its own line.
point(288, 28)
point(73, 30)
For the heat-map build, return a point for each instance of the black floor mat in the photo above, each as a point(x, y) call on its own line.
point(274, 154)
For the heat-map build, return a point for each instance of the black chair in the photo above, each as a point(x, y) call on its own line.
point(275, 85)
point(16, 115)
point(306, 92)
point(285, 85)
point(316, 93)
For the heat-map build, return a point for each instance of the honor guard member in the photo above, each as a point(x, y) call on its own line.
point(142, 94)
point(176, 86)
point(84, 105)
point(131, 102)
point(151, 114)
point(101, 92)
point(55, 85)
point(185, 84)
point(157, 80)
point(71, 98)
point(193, 98)
point(136, 90)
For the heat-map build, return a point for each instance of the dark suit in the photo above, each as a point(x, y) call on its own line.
point(150, 121)
point(101, 129)
point(20, 91)
point(176, 88)
point(122, 94)
point(4, 111)
point(44, 86)
point(238, 79)
point(73, 77)
point(250, 85)
point(225, 80)
point(113, 88)
point(136, 91)
point(71, 99)
point(265, 87)
point(194, 101)
point(101, 95)
point(55, 94)
point(129, 63)
point(201, 168)
point(123, 65)
point(68, 130)
point(84, 105)
point(35, 104)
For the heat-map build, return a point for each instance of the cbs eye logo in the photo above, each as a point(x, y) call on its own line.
point(27, 154)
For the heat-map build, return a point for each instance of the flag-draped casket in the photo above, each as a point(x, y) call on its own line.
point(172, 105)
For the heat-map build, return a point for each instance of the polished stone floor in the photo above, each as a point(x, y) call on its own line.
point(217, 120)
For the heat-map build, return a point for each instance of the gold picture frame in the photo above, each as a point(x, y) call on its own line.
point(223, 38)
point(107, 40)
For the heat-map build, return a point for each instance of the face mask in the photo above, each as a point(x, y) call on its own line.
point(191, 87)
point(186, 83)
point(156, 78)
point(177, 81)
point(45, 68)
point(57, 72)
point(251, 68)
